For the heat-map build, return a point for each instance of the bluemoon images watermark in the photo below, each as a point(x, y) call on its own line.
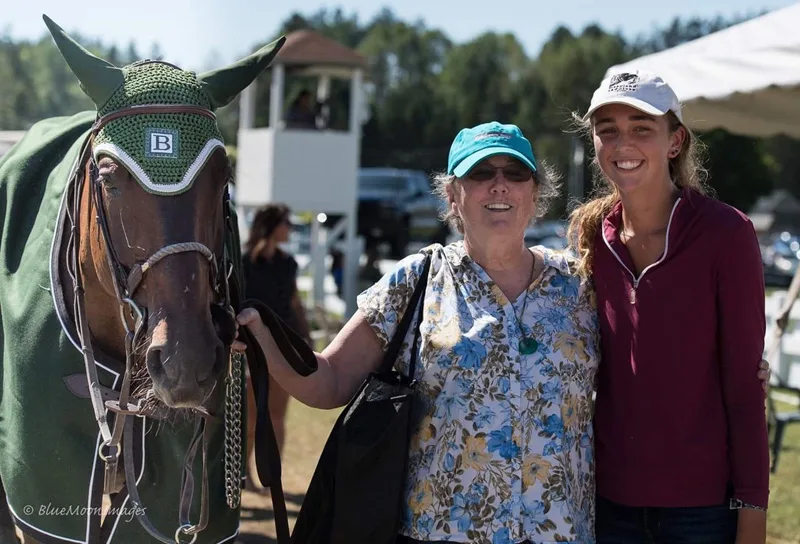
point(48, 510)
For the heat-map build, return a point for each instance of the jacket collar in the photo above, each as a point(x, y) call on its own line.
point(687, 206)
point(689, 200)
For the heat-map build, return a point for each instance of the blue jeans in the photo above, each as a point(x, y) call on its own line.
point(618, 524)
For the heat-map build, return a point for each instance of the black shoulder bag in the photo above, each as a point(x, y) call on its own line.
point(356, 493)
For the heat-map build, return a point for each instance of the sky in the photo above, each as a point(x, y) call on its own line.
point(198, 33)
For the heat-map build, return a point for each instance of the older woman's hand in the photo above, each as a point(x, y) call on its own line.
point(764, 374)
point(249, 318)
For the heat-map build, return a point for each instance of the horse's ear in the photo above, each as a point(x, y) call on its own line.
point(224, 84)
point(98, 78)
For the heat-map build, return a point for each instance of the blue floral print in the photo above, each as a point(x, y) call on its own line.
point(502, 450)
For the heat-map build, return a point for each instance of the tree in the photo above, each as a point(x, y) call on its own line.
point(422, 88)
point(782, 156)
point(559, 83)
point(400, 54)
point(478, 78)
point(132, 54)
point(411, 119)
point(155, 52)
point(572, 67)
point(738, 171)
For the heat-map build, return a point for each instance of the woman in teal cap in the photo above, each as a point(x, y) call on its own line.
point(506, 363)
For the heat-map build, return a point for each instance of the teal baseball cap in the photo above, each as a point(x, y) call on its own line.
point(472, 145)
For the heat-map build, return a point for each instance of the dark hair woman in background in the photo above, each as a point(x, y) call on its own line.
point(270, 276)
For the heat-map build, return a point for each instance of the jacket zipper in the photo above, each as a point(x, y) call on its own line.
point(632, 294)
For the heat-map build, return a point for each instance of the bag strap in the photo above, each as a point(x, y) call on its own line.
point(390, 357)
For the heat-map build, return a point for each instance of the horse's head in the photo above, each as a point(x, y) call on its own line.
point(169, 256)
point(154, 211)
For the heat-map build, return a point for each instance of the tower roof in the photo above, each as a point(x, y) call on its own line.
point(306, 47)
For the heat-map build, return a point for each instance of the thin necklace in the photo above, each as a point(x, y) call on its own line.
point(527, 344)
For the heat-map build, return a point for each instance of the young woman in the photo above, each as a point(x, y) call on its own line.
point(680, 428)
point(271, 276)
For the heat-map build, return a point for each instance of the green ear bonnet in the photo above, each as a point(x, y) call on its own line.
point(163, 151)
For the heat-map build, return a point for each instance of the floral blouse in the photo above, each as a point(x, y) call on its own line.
point(502, 445)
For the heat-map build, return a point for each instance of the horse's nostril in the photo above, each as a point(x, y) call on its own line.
point(154, 363)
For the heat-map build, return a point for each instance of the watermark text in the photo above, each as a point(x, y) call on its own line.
point(50, 510)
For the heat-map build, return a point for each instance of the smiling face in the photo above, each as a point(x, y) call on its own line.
point(634, 148)
point(496, 198)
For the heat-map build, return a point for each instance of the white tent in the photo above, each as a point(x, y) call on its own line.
point(745, 78)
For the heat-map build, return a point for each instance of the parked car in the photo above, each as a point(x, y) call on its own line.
point(551, 234)
point(396, 207)
point(780, 255)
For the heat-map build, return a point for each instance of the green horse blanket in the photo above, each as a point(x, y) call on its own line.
point(49, 440)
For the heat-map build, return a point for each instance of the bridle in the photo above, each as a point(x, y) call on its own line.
point(119, 438)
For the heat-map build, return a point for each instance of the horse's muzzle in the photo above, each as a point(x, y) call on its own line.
point(185, 364)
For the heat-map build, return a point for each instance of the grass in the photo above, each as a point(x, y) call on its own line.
point(784, 504)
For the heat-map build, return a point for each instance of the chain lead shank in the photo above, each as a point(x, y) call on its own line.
point(233, 430)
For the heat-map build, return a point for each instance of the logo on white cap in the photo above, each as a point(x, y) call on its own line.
point(640, 89)
point(621, 83)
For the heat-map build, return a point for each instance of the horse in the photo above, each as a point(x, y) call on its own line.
point(119, 284)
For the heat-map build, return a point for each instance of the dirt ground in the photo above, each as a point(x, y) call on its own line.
point(306, 432)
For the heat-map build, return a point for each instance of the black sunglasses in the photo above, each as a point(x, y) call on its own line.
point(511, 172)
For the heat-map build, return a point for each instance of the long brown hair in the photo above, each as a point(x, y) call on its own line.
point(264, 224)
point(686, 170)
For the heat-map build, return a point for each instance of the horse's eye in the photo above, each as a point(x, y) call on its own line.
point(109, 186)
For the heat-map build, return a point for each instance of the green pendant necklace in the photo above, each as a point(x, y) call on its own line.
point(527, 344)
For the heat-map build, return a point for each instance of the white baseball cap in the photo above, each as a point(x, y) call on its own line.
point(639, 89)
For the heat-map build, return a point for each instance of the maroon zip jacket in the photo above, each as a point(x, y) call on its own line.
point(680, 413)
